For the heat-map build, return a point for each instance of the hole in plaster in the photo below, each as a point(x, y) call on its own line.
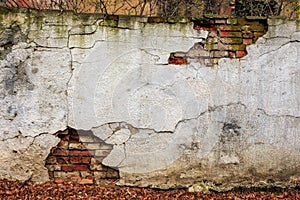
point(79, 157)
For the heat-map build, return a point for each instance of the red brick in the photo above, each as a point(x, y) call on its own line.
point(230, 34)
point(177, 61)
point(229, 28)
point(67, 168)
point(248, 35)
point(75, 160)
point(80, 167)
point(240, 54)
point(60, 152)
point(62, 160)
point(224, 33)
point(247, 41)
point(80, 153)
point(86, 160)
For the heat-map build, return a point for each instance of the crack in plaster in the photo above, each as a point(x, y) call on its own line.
point(278, 116)
point(281, 46)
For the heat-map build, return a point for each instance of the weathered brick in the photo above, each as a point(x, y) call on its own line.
point(105, 146)
point(79, 167)
point(75, 178)
point(93, 145)
point(211, 46)
point(80, 153)
point(63, 144)
point(101, 152)
point(229, 40)
point(230, 34)
point(248, 35)
point(67, 168)
point(86, 174)
point(240, 54)
point(96, 165)
point(237, 47)
point(220, 21)
point(62, 159)
point(85, 139)
point(76, 146)
point(232, 54)
point(212, 40)
point(100, 175)
point(60, 152)
point(86, 160)
point(65, 175)
point(232, 21)
point(229, 28)
point(247, 41)
point(258, 27)
point(53, 167)
point(75, 160)
point(219, 54)
point(177, 61)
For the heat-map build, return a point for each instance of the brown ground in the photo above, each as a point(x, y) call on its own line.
point(51, 190)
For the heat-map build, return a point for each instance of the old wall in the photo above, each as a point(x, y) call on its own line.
point(116, 82)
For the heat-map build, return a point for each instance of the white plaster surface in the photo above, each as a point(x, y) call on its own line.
point(170, 125)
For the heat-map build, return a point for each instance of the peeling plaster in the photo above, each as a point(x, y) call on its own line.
point(170, 126)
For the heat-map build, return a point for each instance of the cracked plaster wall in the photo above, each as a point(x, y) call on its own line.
point(171, 126)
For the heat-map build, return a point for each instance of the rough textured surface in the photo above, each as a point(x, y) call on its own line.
point(170, 126)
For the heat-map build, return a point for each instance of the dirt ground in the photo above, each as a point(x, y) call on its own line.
point(64, 190)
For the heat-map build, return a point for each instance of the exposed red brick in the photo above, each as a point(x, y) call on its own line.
point(177, 61)
point(248, 35)
point(80, 153)
point(60, 152)
point(230, 33)
point(224, 33)
point(240, 54)
point(86, 160)
point(67, 168)
point(62, 160)
point(75, 160)
point(247, 41)
point(80, 167)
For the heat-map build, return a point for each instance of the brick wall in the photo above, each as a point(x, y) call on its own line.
point(227, 38)
point(77, 158)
